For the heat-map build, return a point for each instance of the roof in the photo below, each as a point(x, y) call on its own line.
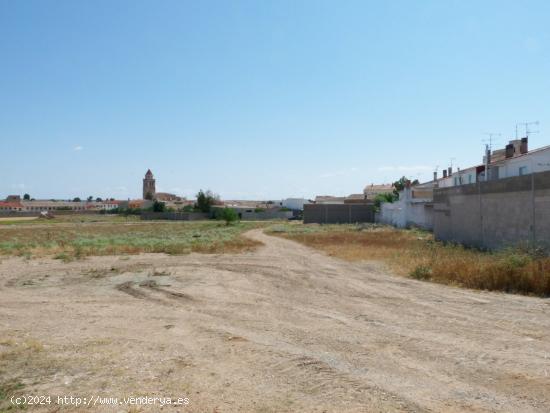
point(329, 199)
point(356, 196)
point(531, 152)
point(11, 204)
point(149, 174)
point(467, 169)
point(50, 203)
point(499, 161)
point(378, 188)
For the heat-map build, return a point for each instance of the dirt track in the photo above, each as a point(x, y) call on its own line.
point(280, 329)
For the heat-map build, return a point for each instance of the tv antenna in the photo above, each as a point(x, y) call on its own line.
point(490, 139)
point(528, 131)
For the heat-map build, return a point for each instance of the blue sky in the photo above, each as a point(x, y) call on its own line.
point(258, 99)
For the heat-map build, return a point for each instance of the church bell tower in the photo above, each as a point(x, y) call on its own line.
point(149, 185)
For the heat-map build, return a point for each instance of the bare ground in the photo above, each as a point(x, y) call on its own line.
point(283, 328)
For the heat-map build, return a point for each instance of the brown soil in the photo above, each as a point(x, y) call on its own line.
point(281, 329)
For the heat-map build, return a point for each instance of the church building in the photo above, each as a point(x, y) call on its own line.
point(149, 190)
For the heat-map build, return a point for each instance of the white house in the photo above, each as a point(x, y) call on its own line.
point(295, 204)
point(537, 160)
point(466, 176)
point(514, 160)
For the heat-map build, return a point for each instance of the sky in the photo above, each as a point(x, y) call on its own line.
point(261, 99)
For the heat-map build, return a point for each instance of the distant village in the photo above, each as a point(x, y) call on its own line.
point(173, 202)
point(504, 199)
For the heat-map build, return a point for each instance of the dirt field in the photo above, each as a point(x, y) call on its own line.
point(280, 329)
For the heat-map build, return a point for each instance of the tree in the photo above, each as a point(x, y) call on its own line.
point(205, 200)
point(98, 199)
point(399, 185)
point(229, 215)
point(77, 199)
point(381, 198)
point(26, 197)
point(159, 206)
point(90, 198)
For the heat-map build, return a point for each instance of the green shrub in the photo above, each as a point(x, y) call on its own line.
point(381, 198)
point(228, 215)
point(421, 272)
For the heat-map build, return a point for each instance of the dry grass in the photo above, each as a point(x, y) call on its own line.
point(17, 355)
point(70, 218)
point(416, 254)
point(71, 240)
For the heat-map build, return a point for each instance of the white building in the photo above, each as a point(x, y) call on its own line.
point(414, 208)
point(461, 177)
point(57, 205)
point(295, 204)
point(537, 160)
point(514, 160)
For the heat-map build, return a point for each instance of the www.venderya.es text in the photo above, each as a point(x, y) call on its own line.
point(95, 400)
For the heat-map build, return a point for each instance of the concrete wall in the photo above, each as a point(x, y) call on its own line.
point(266, 215)
point(250, 214)
point(495, 214)
point(338, 213)
point(174, 216)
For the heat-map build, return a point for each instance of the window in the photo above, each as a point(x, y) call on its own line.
point(470, 178)
point(522, 170)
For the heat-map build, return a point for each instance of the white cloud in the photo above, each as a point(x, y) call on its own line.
point(78, 148)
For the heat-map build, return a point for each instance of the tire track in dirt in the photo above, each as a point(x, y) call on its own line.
point(284, 328)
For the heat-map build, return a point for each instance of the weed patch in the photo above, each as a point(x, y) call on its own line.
point(74, 241)
point(414, 253)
